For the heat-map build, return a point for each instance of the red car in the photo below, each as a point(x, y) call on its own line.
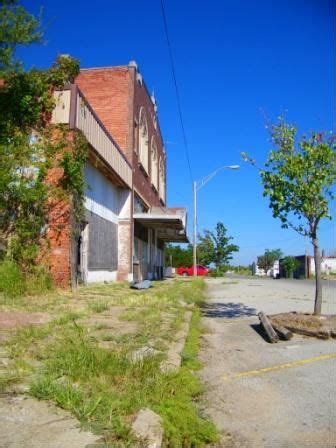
point(185, 271)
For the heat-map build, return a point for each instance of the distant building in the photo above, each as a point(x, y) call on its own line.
point(273, 272)
point(306, 267)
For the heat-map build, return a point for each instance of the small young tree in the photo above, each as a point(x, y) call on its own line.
point(298, 178)
point(267, 260)
point(290, 265)
point(215, 247)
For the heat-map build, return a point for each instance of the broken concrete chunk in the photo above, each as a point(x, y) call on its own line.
point(173, 361)
point(148, 428)
point(142, 353)
point(145, 284)
point(27, 422)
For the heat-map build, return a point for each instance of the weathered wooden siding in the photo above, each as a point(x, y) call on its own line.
point(103, 243)
point(101, 141)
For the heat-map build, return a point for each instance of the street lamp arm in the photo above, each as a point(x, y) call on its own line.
point(196, 187)
point(200, 184)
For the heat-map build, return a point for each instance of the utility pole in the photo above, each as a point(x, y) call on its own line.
point(195, 231)
point(197, 185)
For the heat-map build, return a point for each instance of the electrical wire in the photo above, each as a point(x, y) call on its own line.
point(282, 241)
point(178, 99)
point(269, 243)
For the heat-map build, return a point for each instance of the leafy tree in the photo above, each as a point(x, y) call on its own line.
point(28, 147)
point(298, 177)
point(215, 247)
point(266, 261)
point(178, 255)
point(17, 27)
point(290, 265)
point(28, 150)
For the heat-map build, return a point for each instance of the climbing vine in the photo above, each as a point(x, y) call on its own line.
point(73, 180)
point(30, 148)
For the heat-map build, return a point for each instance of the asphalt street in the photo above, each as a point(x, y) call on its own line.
point(267, 395)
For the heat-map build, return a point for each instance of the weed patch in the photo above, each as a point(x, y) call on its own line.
point(98, 307)
point(14, 284)
point(103, 387)
point(11, 280)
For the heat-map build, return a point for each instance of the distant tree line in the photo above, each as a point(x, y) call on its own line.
point(213, 248)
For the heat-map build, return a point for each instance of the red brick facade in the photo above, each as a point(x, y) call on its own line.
point(108, 92)
point(117, 94)
point(59, 232)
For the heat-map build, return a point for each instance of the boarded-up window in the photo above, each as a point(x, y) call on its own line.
point(154, 165)
point(103, 243)
point(143, 140)
point(162, 180)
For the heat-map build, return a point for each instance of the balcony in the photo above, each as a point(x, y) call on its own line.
point(73, 109)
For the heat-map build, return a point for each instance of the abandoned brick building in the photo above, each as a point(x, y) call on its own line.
point(126, 221)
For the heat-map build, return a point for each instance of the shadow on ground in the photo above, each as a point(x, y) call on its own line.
point(228, 310)
point(261, 332)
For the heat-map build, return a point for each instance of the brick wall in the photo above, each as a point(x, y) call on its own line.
point(59, 232)
point(142, 182)
point(125, 231)
point(116, 95)
point(108, 92)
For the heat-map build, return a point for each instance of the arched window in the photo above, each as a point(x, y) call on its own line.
point(154, 164)
point(162, 180)
point(143, 140)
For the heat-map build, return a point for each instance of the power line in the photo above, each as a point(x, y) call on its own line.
point(186, 147)
point(269, 244)
point(282, 241)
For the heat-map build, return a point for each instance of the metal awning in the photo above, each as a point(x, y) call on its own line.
point(169, 223)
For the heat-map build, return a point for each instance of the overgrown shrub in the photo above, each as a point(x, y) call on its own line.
point(219, 271)
point(14, 283)
point(38, 281)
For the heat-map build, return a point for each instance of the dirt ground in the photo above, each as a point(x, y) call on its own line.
point(267, 395)
point(306, 323)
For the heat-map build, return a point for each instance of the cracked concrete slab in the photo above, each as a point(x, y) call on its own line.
point(30, 423)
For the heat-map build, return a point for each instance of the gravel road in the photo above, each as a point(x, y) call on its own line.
point(267, 395)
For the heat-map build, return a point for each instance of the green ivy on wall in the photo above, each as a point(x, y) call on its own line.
point(28, 150)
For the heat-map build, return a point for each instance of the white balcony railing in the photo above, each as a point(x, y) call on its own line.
point(71, 107)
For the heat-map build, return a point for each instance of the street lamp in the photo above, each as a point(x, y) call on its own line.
point(197, 185)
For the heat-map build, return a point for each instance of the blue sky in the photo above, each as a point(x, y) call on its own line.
point(236, 62)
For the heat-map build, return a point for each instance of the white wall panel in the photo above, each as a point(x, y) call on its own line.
point(101, 196)
point(61, 112)
point(101, 276)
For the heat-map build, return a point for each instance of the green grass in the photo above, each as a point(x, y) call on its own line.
point(103, 388)
point(98, 307)
point(14, 284)
point(191, 348)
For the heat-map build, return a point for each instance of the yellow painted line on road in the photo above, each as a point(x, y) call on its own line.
point(287, 365)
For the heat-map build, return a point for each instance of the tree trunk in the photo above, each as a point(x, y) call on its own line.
point(318, 289)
